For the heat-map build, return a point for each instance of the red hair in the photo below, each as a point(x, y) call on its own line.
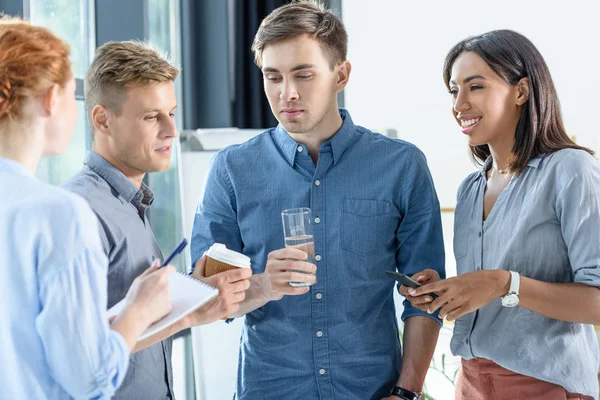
point(31, 60)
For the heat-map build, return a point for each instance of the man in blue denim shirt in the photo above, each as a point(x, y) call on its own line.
point(374, 209)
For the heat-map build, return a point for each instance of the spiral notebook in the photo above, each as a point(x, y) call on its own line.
point(187, 295)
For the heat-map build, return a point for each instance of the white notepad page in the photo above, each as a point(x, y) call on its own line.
point(187, 295)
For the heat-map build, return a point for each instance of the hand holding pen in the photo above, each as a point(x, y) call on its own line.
point(177, 250)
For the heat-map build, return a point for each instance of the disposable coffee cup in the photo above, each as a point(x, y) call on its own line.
point(221, 259)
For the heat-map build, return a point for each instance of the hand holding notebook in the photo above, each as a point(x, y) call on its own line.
point(187, 294)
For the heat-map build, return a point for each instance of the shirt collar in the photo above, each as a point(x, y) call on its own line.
point(534, 162)
point(339, 142)
point(140, 198)
point(9, 165)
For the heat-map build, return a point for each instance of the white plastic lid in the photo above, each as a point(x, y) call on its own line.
point(220, 252)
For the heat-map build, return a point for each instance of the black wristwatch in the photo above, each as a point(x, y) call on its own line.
point(405, 394)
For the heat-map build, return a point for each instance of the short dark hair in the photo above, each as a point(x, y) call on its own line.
point(512, 56)
point(303, 17)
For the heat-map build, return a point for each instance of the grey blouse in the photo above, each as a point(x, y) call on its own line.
point(546, 226)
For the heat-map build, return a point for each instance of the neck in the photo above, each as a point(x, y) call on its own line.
point(133, 175)
point(322, 132)
point(501, 151)
point(23, 143)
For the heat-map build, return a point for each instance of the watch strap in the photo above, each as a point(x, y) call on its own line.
point(404, 394)
point(515, 282)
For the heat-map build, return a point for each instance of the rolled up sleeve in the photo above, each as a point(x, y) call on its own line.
point(419, 236)
point(578, 209)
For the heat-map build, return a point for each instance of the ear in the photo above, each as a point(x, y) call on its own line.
point(50, 100)
point(100, 119)
point(344, 70)
point(522, 91)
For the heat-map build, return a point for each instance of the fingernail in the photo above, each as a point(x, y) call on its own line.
point(156, 263)
point(429, 311)
point(412, 292)
point(427, 298)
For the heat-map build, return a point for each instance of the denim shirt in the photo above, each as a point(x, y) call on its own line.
point(374, 208)
point(545, 225)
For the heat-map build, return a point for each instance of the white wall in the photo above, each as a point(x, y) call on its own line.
point(397, 49)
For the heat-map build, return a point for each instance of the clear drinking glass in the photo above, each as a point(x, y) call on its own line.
point(298, 233)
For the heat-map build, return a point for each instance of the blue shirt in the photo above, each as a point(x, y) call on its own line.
point(545, 225)
point(375, 209)
point(56, 342)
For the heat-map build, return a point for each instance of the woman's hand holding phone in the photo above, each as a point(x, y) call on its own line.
point(424, 277)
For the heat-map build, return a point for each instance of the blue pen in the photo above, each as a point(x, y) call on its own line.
point(177, 250)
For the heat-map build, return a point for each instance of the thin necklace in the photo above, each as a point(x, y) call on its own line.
point(501, 171)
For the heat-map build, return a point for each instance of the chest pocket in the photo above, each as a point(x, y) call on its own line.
point(365, 225)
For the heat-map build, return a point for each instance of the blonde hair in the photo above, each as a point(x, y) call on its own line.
point(32, 59)
point(119, 65)
point(303, 17)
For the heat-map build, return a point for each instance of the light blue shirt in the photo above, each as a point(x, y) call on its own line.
point(374, 207)
point(56, 342)
point(546, 226)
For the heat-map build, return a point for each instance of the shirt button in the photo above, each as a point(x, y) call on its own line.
point(467, 340)
point(318, 257)
point(322, 371)
point(319, 333)
point(317, 220)
point(300, 149)
point(479, 234)
point(317, 182)
point(319, 296)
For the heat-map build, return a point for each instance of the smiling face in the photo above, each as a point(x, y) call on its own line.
point(140, 137)
point(300, 84)
point(486, 108)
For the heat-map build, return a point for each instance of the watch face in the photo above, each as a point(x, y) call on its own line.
point(510, 300)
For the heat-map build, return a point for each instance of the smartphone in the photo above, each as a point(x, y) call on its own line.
point(406, 281)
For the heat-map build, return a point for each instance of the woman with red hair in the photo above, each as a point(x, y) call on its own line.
point(56, 339)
